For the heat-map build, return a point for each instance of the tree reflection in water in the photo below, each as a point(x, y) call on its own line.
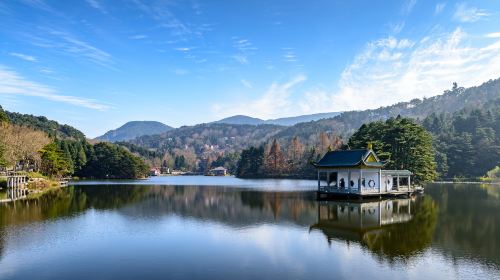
point(466, 225)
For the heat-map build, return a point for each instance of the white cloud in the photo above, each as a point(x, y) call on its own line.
point(439, 8)
point(11, 83)
point(138, 37)
point(493, 35)
point(184, 49)
point(464, 13)
point(275, 102)
point(24, 57)
point(246, 83)
point(384, 74)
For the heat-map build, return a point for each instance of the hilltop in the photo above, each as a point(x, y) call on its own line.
point(134, 129)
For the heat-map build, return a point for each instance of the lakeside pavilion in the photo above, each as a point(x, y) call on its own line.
point(360, 173)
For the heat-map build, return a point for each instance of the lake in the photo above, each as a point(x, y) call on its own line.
point(195, 227)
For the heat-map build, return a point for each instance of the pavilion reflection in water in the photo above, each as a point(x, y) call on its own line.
point(357, 221)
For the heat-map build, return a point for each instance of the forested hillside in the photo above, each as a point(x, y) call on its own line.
point(52, 128)
point(203, 146)
point(467, 142)
point(36, 144)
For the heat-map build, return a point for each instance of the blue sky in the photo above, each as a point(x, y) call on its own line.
point(97, 64)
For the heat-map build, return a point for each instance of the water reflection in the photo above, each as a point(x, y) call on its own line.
point(461, 221)
point(389, 228)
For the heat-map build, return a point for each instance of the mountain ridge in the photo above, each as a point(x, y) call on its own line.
point(285, 121)
point(133, 129)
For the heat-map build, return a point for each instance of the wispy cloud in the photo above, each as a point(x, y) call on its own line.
point(408, 6)
point(493, 35)
point(275, 102)
point(161, 11)
point(181, 72)
point(138, 37)
point(384, 74)
point(397, 27)
point(244, 49)
point(184, 49)
point(240, 58)
point(289, 55)
point(464, 13)
point(69, 44)
point(24, 57)
point(96, 5)
point(246, 83)
point(11, 83)
point(439, 8)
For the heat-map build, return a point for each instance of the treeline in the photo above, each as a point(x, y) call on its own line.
point(401, 142)
point(65, 152)
point(467, 142)
point(285, 159)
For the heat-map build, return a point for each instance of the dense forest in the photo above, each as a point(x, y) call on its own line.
point(400, 142)
point(29, 143)
point(467, 142)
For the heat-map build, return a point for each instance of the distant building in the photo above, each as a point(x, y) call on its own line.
point(218, 171)
point(154, 172)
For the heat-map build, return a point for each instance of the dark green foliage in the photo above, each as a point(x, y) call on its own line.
point(75, 153)
point(52, 128)
point(180, 163)
point(467, 142)
point(402, 143)
point(251, 162)
point(3, 116)
point(54, 161)
point(108, 161)
point(3, 119)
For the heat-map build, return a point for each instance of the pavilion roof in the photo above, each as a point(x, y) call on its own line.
point(349, 158)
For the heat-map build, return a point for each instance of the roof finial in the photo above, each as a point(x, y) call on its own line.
point(370, 146)
point(330, 148)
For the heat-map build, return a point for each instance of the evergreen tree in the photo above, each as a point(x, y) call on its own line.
point(54, 161)
point(402, 143)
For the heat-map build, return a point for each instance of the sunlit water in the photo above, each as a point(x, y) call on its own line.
point(227, 228)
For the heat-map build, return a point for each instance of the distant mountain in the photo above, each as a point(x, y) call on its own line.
point(134, 129)
point(300, 119)
point(289, 121)
point(241, 119)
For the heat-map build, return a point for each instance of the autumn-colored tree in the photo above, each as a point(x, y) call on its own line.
point(275, 159)
point(21, 145)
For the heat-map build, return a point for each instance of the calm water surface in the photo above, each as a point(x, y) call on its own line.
point(226, 228)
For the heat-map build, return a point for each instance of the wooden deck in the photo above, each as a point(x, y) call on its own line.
point(325, 192)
